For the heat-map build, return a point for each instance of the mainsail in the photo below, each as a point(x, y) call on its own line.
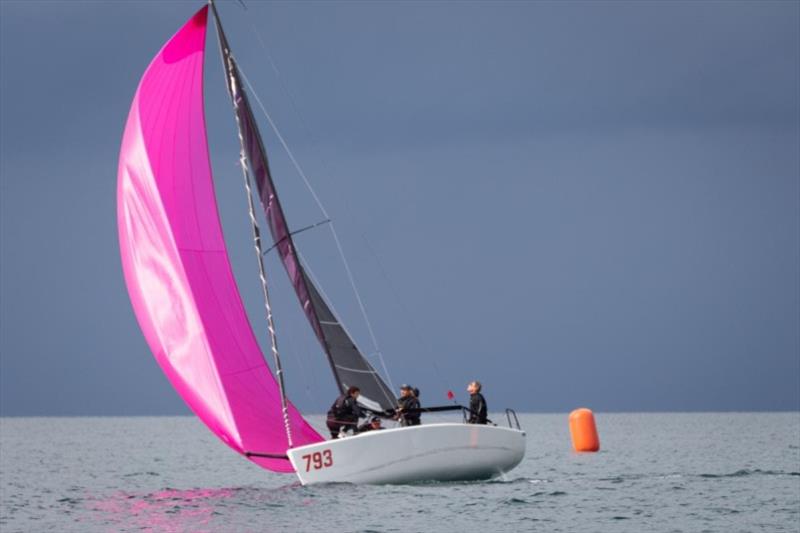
point(349, 366)
point(176, 265)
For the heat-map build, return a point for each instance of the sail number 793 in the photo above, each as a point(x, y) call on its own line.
point(318, 460)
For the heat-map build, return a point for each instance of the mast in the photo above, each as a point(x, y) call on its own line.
point(348, 365)
point(234, 89)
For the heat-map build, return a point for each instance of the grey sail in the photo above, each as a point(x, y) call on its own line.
point(349, 366)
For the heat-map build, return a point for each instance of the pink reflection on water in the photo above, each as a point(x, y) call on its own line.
point(168, 510)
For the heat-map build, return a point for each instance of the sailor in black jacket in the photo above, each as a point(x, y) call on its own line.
point(407, 403)
point(477, 403)
point(344, 413)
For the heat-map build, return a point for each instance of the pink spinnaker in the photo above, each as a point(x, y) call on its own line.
point(176, 265)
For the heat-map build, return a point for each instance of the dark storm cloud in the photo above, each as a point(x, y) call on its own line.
point(579, 203)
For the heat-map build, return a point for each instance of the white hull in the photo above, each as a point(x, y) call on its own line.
point(431, 452)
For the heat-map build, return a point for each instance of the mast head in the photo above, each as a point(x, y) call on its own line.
point(241, 2)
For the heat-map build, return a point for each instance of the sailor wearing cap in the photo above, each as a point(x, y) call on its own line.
point(373, 424)
point(407, 406)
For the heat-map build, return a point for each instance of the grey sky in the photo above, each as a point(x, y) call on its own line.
point(578, 203)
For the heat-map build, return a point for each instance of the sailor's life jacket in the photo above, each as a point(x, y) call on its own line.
point(477, 407)
point(406, 404)
point(344, 409)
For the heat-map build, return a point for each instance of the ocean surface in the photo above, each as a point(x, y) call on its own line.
point(721, 472)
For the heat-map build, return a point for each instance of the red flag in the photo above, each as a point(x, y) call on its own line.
point(450, 395)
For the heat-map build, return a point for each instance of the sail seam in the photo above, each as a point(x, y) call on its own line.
point(244, 370)
point(216, 373)
point(357, 370)
point(390, 399)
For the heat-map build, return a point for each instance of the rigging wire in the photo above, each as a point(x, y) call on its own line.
point(404, 310)
point(329, 302)
point(310, 385)
point(302, 174)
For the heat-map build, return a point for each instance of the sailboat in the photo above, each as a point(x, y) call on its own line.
point(187, 303)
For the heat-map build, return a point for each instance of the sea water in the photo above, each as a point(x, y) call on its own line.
point(721, 472)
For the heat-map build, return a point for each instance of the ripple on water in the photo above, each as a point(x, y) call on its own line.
point(685, 485)
point(748, 472)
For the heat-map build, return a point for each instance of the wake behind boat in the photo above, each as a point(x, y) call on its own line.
point(185, 297)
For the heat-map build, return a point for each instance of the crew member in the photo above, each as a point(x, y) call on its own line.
point(407, 407)
point(372, 425)
point(477, 403)
point(344, 413)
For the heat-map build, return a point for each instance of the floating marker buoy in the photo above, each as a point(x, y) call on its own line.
point(583, 430)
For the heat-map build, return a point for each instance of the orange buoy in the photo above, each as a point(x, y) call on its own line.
point(583, 430)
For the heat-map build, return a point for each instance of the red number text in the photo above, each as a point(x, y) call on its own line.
point(318, 460)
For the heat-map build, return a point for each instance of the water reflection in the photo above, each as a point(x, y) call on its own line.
point(198, 510)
